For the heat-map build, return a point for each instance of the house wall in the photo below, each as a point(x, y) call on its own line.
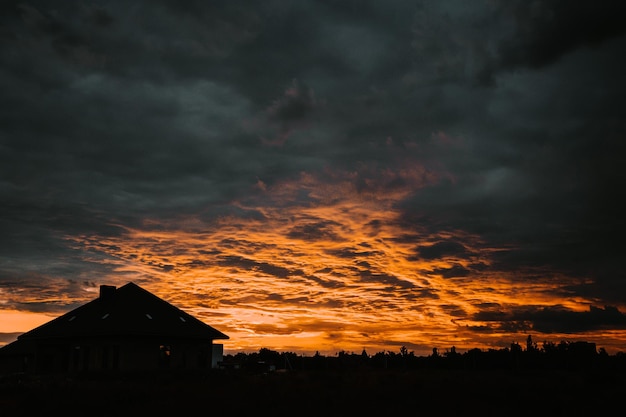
point(139, 355)
point(16, 363)
point(51, 358)
point(185, 355)
point(217, 355)
point(111, 355)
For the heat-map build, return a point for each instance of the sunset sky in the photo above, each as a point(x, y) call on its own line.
point(320, 175)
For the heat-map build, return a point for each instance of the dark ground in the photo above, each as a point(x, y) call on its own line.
point(321, 393)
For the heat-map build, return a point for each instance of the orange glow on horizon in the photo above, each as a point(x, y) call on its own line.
point(14, 321)
point(336, 272)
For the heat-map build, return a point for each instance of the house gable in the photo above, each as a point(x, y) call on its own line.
point(126, 311)
point(125, 328)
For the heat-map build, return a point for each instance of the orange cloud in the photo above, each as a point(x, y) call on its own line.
point(326, 267)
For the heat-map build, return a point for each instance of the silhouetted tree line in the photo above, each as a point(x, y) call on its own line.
point(549, 356)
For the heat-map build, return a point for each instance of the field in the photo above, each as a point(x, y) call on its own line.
point(318, 393)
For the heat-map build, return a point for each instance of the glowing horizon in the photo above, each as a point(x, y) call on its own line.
point(332, 276)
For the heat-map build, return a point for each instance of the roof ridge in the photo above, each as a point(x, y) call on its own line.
point(129, 309)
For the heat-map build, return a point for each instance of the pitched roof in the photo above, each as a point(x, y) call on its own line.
point(125, 311)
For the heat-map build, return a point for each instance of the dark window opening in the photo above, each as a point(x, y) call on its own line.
point(165, 353)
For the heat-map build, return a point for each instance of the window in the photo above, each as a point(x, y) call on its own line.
point(165, 352)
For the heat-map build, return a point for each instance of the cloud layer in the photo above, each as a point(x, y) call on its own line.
point(320, 175)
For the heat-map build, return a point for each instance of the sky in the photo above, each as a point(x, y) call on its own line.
point(320, 175)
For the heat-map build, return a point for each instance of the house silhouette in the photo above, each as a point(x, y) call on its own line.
point(124, 329)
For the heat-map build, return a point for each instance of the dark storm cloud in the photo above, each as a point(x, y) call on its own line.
point(556, 319)
point(314, 231)
point(455, 310)
point(510, 114)
point(441, 250)
point(388, 279)
point(252, 265)
point(455, 271)
point(295, 106)
point(350, 253)
point(541, 178)
point(8, 337)
point(24, 291)
point(546, 30)
point(419, 294)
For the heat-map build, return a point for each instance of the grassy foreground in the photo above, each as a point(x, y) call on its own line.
point(319, 393)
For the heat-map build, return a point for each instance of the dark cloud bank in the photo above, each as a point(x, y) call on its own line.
point(114, 112)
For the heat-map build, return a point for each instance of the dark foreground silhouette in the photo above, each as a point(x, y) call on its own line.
point(554, 381)
point(322, 393)
point(573, 356)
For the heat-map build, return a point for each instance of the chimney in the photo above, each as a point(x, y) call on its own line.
point(107, 292)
